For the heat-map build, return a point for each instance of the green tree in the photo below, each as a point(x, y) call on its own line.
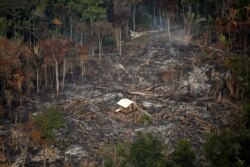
point(192, 20)
point(3, 26)
point(246, 116)
point(17, 13)
point(146, 151)
point(240, 67)
point(221, 150)
point(49, 121)
point(89, 10)
point(184, 156)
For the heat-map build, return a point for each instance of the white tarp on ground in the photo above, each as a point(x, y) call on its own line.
point(125, 103)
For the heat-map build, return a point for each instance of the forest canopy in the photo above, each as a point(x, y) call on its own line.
point(42, 41)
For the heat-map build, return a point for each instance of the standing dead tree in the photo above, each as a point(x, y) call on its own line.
point(120, 17)
point(55, 50)
point(101, 28)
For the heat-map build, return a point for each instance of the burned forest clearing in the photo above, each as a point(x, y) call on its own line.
point(124, 83)
point(174, 89)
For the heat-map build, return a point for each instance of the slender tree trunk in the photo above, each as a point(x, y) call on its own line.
point(223, 8)
point(46, 76)
point(30, 38)
point(37, 80)
point(44, 158)
point(14, 33)
point(91, 27)
point(20, 99)
point(28, 85)
point(117, 38)
point(82, 69)
point(25, 151)
point(127, 28)
point(50, 78)
point(245, 45)
point(64, 73)
point(134, 10)
point(92, 48)
point(160, 19)
point(182, 4)
point(177, 14)
point(168, 21)
point(34, 40)
point(120, 41)
point(99, 47)
point(154, 16)
point(57, 75)
point(71, 29)
point(81, 39)
point(247, 77)
point(115, 157)
point(72, 69)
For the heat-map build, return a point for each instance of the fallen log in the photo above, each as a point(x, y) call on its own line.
point(143, 111)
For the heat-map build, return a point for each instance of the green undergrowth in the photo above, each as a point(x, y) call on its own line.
point(49, 121)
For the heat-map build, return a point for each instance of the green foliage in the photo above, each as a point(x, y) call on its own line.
point(144, 39)
point(109, 163)
point(145, 119)
point(40, 9)
point(89, 9)
point(223, 40)
point(146, 151)
point(49, 121)
point(221, 150)
point(108, 40)
point(184, 156)
point(246, 116)
point(121, 150)
point(192, 20)
point(243, 148)
point(240, 66)
point(3, 26)
point(117, 156)
point(228, 149)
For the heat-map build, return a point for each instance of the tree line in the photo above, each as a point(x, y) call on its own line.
point(42, 41)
